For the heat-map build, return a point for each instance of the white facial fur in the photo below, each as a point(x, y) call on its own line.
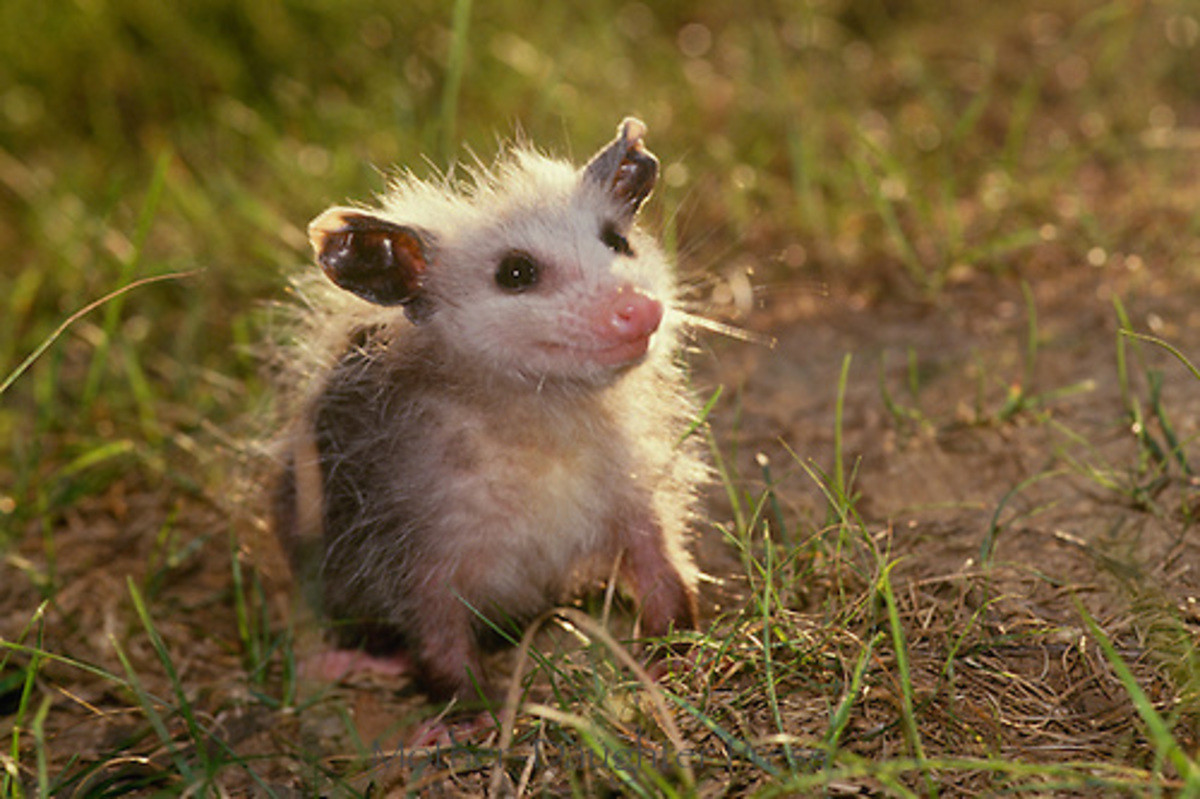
point(541, 208)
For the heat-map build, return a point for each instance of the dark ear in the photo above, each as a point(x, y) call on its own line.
point(378, 260)
point(625, 168)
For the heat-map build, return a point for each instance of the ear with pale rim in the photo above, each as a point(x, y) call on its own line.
point(624, 167)
point(380, 261)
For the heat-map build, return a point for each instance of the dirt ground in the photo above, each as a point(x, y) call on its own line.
point(1021, 520)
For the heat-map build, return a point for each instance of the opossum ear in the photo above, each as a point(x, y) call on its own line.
point(625, 168)
point(378, 260)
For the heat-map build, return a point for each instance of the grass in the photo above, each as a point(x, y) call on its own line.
point(1015, 182)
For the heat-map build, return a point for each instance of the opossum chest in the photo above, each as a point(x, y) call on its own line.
point(522, 506)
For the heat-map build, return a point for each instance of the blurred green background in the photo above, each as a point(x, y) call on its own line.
point(899, 144)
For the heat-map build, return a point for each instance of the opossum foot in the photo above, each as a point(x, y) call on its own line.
point(440, 733)
point(336, 665)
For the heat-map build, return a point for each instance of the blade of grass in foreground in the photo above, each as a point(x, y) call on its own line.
point(208, 747)
point(82, 312)
point(1160, 734)
point(1166, 346)
point(909, 717)
point(768, 637)
point(841, 717)
point(733, 746)
point(840, 484)
point(150, 707)
point(608, 751)
point(160, 649)
point(39, 737)
point(8, 786)
point(1086, 778)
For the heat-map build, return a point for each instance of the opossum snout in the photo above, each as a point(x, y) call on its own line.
point(633, 314)
point(623, 324)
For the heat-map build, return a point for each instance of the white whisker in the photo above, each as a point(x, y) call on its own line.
point(732, 331)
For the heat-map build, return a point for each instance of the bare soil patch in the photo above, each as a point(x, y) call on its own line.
point(1004, 527)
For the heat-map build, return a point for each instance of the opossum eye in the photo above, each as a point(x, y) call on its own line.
point(615, 241)
point(517, 272)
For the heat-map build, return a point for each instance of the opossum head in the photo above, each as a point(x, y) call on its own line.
point(534, 269)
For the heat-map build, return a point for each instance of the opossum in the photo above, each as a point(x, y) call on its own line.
point(507, 419)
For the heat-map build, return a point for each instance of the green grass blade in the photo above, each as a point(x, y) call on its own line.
point(112, 310)
point(149, 707)
point(885, 208)
point(987, 547)
point(1166, 345)
point(733, 745)
point(1174, 445)
point(164, 658)
point(82, 312)
point(455, 67)
point(841, 716)
point(839, 409)
point(908, 710)
point(609, 752)
point(9, 785)
point(702, 417)
point(766, 611)
point(1019, 119)
point(1160, 733)
point(39, 737)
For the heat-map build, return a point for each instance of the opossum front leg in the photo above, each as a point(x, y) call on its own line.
point(665, 597)
point(446, 649)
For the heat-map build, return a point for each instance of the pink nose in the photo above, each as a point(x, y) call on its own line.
point(632, 315)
